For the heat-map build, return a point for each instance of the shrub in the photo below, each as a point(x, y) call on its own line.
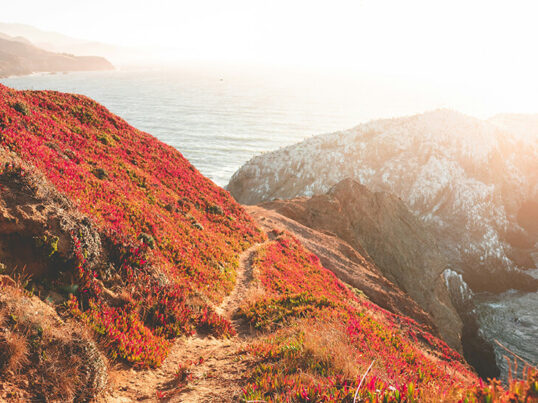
point(22, 108)
point(270, 313)
point(13, 351)
point(42, 357)
point(99, 173)
point(215, 209)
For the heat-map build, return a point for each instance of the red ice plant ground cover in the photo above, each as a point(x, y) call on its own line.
point(155, 209)
point(303, 361)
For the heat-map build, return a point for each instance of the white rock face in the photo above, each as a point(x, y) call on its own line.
point(465, 177)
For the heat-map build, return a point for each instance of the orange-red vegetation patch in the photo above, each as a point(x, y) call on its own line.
point(173, 233)
point(328, 338)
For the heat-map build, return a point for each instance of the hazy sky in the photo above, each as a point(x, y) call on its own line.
point(479, 43)
point(393, 35)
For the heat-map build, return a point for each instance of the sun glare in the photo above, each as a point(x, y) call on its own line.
point(480, 47)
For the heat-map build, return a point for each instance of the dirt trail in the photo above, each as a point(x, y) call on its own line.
point(217, 364)
point(243, 284)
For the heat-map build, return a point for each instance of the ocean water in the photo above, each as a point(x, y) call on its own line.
point(510, 318)
point(220, 117)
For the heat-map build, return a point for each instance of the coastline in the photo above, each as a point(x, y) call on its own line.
point(187, 132)
point(51, 73)
point(33, 74)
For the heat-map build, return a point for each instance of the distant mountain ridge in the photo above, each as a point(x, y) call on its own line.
point(18, 56)
point(15, 38)
point(36, 36)
point(466, 178)
point(60, 43)
point(54, 41)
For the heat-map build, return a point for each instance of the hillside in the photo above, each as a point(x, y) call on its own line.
point(350, 266)
point(466, 178)
point(153, 283)
point(18, 57)
point(398, 243)
point(60, 43)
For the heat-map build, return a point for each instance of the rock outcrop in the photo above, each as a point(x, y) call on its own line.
point(38, 225)
point(466, 178)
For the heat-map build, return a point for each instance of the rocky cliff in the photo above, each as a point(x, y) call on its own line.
point(470, 180)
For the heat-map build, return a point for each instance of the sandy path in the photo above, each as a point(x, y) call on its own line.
point(215, 378)
point(243, 286)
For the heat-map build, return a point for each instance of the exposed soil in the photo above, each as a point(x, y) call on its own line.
point(242, 284)
point(37, 225)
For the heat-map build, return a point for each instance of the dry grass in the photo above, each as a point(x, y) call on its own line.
point(3, 315)
point(254, 293)
point(40, 355)
point(59, 372)
point(13, 352)
point(329, 344)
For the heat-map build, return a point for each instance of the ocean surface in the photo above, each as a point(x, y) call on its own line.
point(510, 318)
point(219, 118)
